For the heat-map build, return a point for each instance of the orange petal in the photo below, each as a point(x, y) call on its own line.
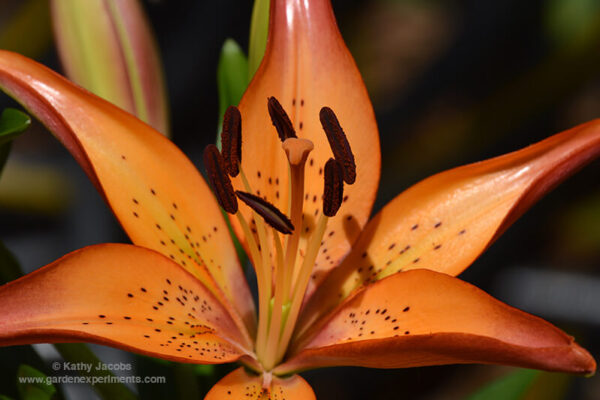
point(240, 384)
point(123, 296)
point(158, 196)
point(446, 221)
point(307, 66)
point(423, 317)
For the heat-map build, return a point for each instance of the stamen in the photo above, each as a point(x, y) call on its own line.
point(219, 180)
point(333, 192)
point(280, 120)
point(277, 311)
point(339, 144)
point(268, 211)
point(312, 250)
point(254, 252)
point(231, 140)
point(263, 274)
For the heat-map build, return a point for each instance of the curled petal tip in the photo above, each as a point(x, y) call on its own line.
point(583, 360)
point(459, 324)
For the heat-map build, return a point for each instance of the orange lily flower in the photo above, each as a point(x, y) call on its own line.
point(334, 289)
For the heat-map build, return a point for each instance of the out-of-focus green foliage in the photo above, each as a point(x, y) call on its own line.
point(259, 29)
point(510, 387)
point(570, 21)
point(12, 123)
point(32, 384)
point(525, 384)
point(549, 386)
point(204, 369)
point(27, 31)
point(232, 78)
point(46, 192)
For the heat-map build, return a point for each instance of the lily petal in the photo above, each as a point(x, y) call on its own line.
point(422, 317)
point(158, 196)
point(307, 66)
point(446, 221)
point(123, 296)
point(240, 384)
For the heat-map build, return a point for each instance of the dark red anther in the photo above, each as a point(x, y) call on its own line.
point(231, 140)
point(333, 192)
point(280, 120)
point(339, 144)
point(268, 211)
point(219, 180)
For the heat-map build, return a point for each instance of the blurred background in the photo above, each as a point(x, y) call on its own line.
point(452, 82)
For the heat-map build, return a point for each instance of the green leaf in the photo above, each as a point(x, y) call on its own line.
point(12, 123)
point(259, 29)
point(204, 369)
point(513, 386)
point(232, 78)
point(3, 397)
point(33, 384)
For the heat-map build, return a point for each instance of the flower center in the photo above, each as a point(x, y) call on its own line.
point(282, 277)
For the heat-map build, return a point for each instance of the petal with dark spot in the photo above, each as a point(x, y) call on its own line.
point(306, 67)
point(241, 384)
point(422, 317)
point(446, 221)
point(114, 294)
point(142, 175)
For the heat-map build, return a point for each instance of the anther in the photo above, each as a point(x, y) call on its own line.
point(231, 140)
point(339, 144)
point(280, 120)
point(333, 191)
point(268, 211)
point(219, 180)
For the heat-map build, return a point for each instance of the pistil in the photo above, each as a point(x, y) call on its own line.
point(297, 151)
point(263, 277)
